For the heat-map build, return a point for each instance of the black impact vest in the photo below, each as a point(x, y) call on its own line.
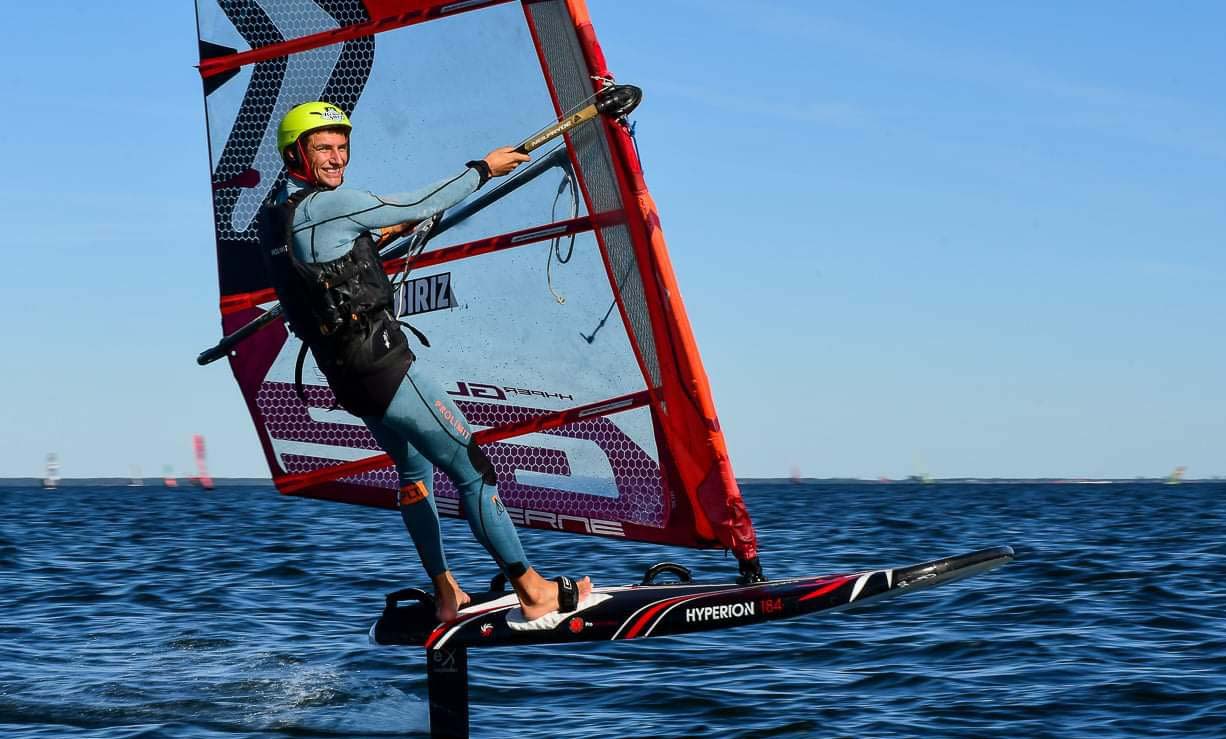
point(342, 310)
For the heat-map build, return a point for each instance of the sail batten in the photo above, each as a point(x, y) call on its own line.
point(532, 424)
point(534, 235)
point(557, 325)
point(364, 19)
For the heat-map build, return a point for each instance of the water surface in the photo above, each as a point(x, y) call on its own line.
point(147, 612)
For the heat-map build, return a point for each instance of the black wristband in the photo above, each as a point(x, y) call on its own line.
point(482, 168)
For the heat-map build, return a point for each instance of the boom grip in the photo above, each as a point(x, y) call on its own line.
point(223, 347)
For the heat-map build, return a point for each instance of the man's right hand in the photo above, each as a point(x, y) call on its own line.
point(504, 160)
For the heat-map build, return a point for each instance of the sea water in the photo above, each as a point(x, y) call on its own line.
point(154, 612)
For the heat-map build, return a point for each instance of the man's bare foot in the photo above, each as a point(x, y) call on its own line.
point(541, 596)
point(449, 597)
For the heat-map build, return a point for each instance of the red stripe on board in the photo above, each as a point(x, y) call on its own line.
point(824, 589)
point(435, 636)
point(382, 19)
point(641, 624)
point(524, 237)
point(441, 630)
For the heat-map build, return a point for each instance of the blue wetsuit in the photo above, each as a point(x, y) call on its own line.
point(421, 427)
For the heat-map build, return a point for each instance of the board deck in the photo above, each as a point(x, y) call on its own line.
point(640, 611)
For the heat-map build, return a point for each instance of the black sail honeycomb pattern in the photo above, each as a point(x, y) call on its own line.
point(336, 73)
point(293, 18)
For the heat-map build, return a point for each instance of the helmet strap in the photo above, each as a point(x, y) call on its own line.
point(305, 171)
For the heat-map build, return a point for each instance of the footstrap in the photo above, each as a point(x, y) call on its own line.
point(568, 594)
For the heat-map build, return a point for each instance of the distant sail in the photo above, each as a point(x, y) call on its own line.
point(556, 320)
point(202, 477)
point(51, 476)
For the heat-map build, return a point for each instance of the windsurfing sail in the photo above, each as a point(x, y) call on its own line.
point(202, 478)
point(552, 310)
point(51, 478)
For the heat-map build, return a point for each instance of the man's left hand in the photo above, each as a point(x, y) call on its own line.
point(387, 233)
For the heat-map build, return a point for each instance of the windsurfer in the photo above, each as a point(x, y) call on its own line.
point(320, 243)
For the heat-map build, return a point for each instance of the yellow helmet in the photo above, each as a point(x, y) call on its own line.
point(302, 119)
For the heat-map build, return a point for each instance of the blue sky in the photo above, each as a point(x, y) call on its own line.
point(943, 238)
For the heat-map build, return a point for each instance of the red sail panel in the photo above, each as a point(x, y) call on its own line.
point(684, 407)
point(556, 320)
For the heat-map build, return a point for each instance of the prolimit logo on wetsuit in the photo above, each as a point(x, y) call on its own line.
point(451, 419)
point(430, 293)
